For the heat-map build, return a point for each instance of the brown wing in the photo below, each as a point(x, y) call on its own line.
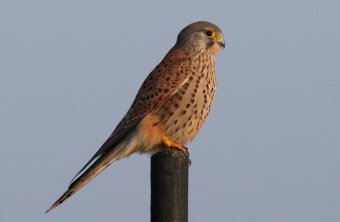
point(163, 82)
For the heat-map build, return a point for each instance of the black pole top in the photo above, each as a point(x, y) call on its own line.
point(169, 187)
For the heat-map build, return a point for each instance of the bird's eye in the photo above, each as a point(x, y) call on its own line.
point(209, 33)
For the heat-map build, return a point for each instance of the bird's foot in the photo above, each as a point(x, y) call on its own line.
point(177, 146)
point(169, 143)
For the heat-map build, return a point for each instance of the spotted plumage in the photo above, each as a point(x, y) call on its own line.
point(170, 106)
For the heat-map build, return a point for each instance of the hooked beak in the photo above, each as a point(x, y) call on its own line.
point(221, 42)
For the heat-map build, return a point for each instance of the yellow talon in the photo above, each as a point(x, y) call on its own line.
point(169, 143)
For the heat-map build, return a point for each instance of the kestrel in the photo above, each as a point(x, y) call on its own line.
point(170, 106)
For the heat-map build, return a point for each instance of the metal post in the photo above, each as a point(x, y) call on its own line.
point(169, 187)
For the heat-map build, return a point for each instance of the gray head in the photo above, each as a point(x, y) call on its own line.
point(201, 36)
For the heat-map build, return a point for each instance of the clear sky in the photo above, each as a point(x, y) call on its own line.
point(269, 151)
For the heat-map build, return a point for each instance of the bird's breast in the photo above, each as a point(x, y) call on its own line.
point(183, 115)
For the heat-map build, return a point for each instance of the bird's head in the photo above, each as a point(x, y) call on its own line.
point(200, 36)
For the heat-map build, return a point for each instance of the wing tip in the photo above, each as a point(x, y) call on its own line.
point(64, 197)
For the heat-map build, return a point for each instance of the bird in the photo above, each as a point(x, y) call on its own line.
point(170, 107)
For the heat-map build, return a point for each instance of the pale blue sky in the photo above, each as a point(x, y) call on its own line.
point(270, 149)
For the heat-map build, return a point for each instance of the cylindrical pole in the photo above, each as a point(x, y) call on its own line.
point(169, 187)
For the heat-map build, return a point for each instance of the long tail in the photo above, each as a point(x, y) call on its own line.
point(121, 150)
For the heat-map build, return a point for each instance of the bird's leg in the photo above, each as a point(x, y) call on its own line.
point(180, 147)
point(169, 143)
